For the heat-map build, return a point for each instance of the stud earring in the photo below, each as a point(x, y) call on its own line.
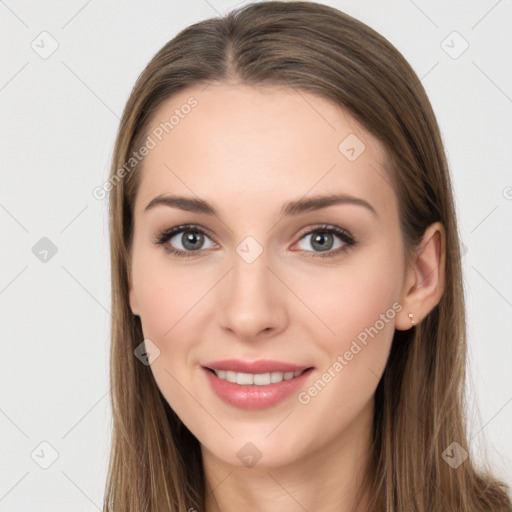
point(411, 316)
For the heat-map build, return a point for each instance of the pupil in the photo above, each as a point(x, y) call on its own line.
point(190, 239)
point(318, 240)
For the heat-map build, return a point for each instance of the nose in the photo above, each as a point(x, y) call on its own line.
point(252, 299)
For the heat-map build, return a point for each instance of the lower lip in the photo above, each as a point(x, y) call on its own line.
point(252, 396)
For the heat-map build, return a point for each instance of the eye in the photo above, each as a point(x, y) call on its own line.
point(191, 239)
point(324, 240)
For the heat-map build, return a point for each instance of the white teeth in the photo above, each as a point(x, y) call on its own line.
point(244, 378)
point(259, 379)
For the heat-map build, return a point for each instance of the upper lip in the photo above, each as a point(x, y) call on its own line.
point(255, 367)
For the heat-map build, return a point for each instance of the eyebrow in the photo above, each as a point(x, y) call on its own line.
point(290, 208)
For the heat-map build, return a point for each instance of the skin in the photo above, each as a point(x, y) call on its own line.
point(247, 151)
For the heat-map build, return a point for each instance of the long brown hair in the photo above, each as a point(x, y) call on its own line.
point(155, 461)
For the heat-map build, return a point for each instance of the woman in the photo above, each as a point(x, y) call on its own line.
point(289, 319)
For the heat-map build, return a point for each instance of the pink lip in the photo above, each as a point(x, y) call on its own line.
point(254, 397)
point(261, 366)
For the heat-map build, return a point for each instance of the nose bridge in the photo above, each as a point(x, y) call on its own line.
point(250, 298)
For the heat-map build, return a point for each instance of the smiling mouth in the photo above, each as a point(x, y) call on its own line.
point(258, 379)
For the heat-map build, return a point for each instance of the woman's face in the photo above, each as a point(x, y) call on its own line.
point(254, 284)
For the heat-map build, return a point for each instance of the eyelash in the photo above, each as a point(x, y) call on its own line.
point(163, 237)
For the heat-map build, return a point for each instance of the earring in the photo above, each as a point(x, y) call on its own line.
point(411, 316)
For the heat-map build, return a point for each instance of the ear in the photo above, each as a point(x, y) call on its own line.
point(425, 278)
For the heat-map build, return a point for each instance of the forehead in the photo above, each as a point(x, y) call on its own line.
point(231, 143)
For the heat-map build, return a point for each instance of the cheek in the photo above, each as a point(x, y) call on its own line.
point(168, 296)
point(353, 295)
point(357, 303)
point(169, 300)
point(359, 306)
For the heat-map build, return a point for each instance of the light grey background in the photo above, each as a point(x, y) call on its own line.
point(58, 120)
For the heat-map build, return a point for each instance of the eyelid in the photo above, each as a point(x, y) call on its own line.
point(325, 227)
point(182, 227)
point(346, 237)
